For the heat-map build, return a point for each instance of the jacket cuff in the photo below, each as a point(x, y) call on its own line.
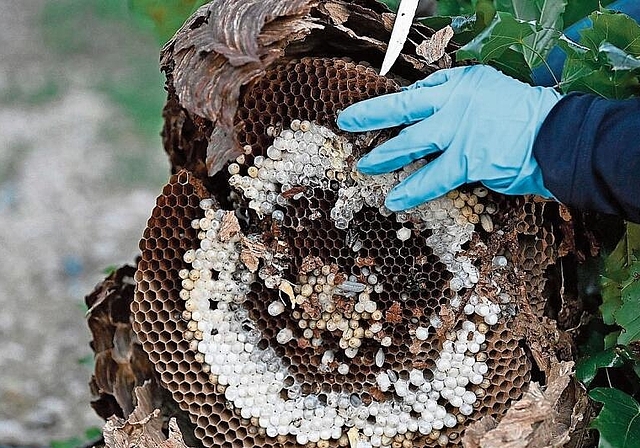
point(588, 149)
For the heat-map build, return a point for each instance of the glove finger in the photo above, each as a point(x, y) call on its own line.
point(430, 182)
point(394, 109)
point(438, 78)
point(421, 139)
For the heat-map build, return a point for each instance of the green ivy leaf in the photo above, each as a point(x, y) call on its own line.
point(611, 300)
point(589, 69)
point(611, 340)
point(587, 368)
point(619, 420)
point(604, 83)
point(485, 11)
point(578, 9)
point(615, 28)
point(455, 7)
point(530, 28)
point(512, 63)
point(505, 32)
point(628, 315)
point(547, 14)
point(617, 58)
point(621, 286)
point(624, 255)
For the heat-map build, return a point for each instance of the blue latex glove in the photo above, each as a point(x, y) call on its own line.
point(482, 121)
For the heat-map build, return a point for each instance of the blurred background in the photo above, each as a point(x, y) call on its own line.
point(81, 163)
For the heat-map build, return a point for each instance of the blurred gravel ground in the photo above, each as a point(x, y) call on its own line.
point(80, 166)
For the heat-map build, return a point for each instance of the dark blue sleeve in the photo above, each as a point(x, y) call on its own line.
point(589, 151)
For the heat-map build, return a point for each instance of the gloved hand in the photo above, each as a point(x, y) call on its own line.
point(482, 121)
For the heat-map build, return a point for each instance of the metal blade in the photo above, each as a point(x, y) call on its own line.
point(401, 26)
